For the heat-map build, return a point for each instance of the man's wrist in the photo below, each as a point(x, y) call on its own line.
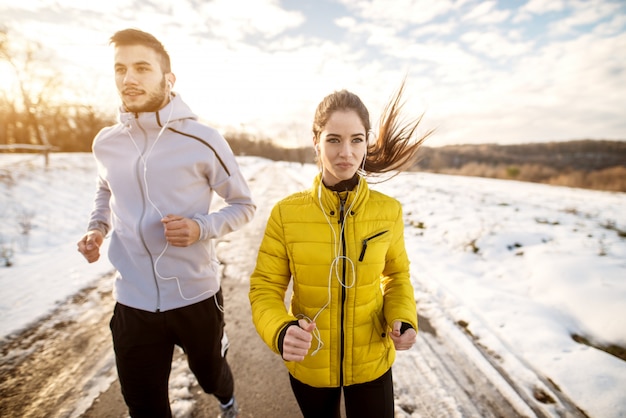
point(98, 226)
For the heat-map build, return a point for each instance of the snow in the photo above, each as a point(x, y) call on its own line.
point(525, 266)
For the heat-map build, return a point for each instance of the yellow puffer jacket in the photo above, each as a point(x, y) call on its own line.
point(353, 319)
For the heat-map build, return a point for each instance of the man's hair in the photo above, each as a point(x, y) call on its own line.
point(128, 37)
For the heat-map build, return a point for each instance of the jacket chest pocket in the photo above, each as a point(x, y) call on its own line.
point(374, 247)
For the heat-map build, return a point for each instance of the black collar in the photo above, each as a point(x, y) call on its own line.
point(345, 185)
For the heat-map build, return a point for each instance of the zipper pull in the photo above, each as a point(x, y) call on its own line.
point(342, 206)
point(364, 248)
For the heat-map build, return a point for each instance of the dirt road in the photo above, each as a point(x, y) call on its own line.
point(64, 366)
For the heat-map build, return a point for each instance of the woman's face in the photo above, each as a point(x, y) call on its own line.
point(341, 147)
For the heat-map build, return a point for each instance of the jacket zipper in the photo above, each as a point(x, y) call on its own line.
point(364, 248)
point(143, 184)
point(342, 204)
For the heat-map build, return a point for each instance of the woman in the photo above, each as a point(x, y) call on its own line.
point(342, 244)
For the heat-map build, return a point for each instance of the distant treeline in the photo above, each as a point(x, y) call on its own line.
point(590, 164)
point(586, 155)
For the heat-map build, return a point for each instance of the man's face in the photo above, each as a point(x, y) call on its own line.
point(139, 78)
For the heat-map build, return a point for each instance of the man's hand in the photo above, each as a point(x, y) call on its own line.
point(89, 245)
point(180, 231)
point(402, 341)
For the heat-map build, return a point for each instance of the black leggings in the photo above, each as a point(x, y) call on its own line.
point(144, 344)
point(372, 399)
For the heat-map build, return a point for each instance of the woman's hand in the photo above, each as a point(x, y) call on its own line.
point(402, 341)
point(297, 340)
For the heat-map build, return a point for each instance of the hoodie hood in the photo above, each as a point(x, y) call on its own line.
point(175, 111)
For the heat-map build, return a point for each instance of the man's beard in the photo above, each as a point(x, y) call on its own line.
point(154, 103)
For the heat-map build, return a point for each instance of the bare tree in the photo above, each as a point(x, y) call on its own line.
point(36, 83)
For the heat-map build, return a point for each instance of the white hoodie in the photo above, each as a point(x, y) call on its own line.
point(146, 172)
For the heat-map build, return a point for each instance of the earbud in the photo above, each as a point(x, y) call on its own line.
point(317, 150)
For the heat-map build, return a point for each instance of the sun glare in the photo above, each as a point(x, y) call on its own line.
point(8, 86)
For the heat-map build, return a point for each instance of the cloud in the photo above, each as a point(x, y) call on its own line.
point(479, 70)
point(435, 29)
point(403, 12)
point(495, 45)
point(486, 13)
point(582, 14)
point(541, 6)
point(234, 21)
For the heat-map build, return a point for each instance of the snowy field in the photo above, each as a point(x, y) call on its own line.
point(525, 268)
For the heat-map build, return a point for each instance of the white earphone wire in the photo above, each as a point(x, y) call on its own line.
point(334, 265)
point(144, 160)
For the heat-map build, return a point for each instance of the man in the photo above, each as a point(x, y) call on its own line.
point(158, 169)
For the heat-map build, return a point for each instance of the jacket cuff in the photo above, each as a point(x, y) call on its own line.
point(281, 336)
point(405, 326)
point(99, 226)
point(204, 233)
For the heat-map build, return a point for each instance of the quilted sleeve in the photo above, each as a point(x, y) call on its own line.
point(399, 297)
point(269, 282)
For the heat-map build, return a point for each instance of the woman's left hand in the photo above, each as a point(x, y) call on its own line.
point(402, 341)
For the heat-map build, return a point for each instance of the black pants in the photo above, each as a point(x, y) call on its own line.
point(372, 399)
point(144, 345)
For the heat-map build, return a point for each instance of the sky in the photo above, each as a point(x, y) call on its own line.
point(524, 265)
point(480, 71)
